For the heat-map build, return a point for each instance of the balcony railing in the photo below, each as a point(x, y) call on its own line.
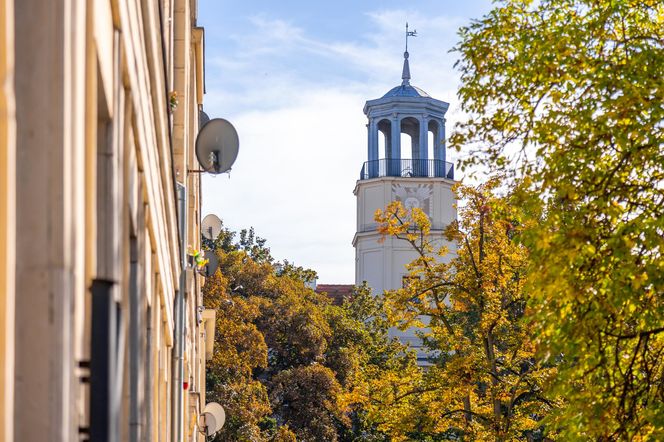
point(407, 168)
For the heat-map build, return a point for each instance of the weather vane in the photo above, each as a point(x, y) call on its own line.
point(409, 34)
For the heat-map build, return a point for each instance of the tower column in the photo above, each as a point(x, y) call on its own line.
point(394, 166)
point(441, 139)
point(443, 146)
point(422, 167)
point(424, 139)
point(372, 134)
point(436, 141)
point(439, 149)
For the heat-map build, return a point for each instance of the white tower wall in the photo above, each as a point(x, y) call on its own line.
point(417, 179)
point(381, 262)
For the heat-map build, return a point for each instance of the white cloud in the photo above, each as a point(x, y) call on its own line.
point(302, 130)
point(294, 178)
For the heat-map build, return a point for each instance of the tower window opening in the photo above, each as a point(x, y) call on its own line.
point(431, 138)
point(434, 139)
point(406, 149)
point(411, 148)
point(384, 139)
point(411, 127)
point(382, 143)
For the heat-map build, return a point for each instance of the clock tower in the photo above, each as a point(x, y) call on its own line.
point(407, 163)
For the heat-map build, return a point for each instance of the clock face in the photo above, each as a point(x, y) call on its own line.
point(411, 202)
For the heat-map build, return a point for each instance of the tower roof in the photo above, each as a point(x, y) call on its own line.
point(405, 89)
point(405, 98)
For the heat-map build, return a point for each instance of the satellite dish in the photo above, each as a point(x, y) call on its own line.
point(217, 146)
point(213, 263)
point(210, 424)
point(211, 227)
point(215, 417)
point(202, 119)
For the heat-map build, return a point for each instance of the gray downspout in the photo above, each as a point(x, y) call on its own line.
point(179, 333)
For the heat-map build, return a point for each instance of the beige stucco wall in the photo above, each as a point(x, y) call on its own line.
point(382, 262)
point(95, 200)
point(7, 219)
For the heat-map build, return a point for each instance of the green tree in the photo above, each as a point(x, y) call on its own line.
point(239, 350)
point(367, 363)
point(254, 245)
point(486, 382)
point(307, 398)
point(295, 328)
point(568, 95)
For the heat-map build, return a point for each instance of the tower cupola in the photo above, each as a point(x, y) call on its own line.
point(406, 109)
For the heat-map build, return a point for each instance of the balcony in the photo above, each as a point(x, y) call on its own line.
point(407, 168)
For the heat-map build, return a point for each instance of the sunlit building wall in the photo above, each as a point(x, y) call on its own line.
point(107, 95)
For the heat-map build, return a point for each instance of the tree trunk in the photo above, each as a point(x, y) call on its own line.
point(497, 414)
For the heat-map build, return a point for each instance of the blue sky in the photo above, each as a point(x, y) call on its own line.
point(292, 77)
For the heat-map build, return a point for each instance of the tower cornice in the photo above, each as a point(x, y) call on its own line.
point(385, 105)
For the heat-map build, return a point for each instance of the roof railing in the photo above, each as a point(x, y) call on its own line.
point(407, 168)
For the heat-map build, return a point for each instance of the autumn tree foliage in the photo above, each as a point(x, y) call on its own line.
point(239, 350)
point(486, 382)
point(568, 96)
point(286, 360)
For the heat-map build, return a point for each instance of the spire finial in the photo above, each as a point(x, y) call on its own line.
point(405, 75)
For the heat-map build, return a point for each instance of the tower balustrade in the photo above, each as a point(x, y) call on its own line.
point(407, 168)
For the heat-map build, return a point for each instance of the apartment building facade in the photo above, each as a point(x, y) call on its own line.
point(103, 335)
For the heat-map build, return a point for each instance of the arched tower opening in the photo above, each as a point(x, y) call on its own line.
point(384, 139)
point(414, 143)
point(432, 136)
point(385, 148)
point(411, 128)
point(436, 137)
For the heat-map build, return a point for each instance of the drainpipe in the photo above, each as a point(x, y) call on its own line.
point(177, 414)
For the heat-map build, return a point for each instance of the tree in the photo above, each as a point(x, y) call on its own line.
point(239, 350)
point(286, 360)
point(307, 398)
point(368, 364)
point(486, 382)
point(568, 96)
point(295, 328)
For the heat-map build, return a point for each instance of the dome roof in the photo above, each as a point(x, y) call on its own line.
point(406, 90)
